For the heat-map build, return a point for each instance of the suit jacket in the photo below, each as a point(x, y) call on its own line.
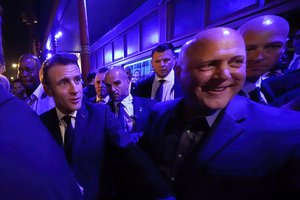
point(141, 107)
point(144, 87)
point(252, 152)
point(103, 169)
point(283, 88)
point(28, 157)
point(89, 91)
point(94, 123)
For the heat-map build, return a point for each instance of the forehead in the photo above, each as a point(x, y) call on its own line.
point(113, 75)
point(216, 48)
point(28, 62)
point(63, 71)
point(100, 76)
point(263, 36)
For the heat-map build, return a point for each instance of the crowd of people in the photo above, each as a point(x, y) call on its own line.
point(218, 121)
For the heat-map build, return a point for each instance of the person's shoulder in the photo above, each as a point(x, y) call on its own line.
point(166, 105)
point(48, 114)
point(93, 107)
point(145, 100)
point(266, 114)
point(92, 100)
point(145, 80)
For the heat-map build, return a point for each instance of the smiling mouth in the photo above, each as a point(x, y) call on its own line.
point(215, 89)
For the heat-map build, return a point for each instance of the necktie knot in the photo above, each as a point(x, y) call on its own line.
point(256, 96)
point(67, 119)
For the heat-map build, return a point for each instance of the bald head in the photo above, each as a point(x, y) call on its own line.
point(117, 83)
point(265, 38)
point(212, 69)
point(266, 24)
point(220, 36)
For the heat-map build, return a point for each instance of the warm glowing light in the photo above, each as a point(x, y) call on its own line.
point(11, 78)
point(14, 65)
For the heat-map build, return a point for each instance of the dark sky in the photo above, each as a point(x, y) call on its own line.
point(17, 34)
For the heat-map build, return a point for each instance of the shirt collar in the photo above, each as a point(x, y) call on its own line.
point(168, 78)
point(127, 100)
point(249, 86)
point(60, 115)
point(38, 92)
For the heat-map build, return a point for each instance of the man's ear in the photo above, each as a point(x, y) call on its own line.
point(48, 90)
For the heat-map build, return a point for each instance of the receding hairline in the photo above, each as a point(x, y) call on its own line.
point(117, 69)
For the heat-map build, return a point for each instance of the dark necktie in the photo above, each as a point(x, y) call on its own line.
point(68, 139)
point(256, 96)
point(121, 115)
point(159, 91)
point(191, 139)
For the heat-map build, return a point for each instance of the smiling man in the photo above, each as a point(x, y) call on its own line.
point(28, 74)
point(213, 144)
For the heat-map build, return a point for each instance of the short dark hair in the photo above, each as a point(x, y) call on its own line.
point(163, 47)
point(90, 77)
point(57, 59)
point(35, 59)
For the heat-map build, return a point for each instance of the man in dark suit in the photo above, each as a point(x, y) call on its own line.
point(212, 144)
point(101, 93)
point(287, 87)
point(89, 133)
point(89, 90)
point(164, 79)
point(91, 124)
point(136, 109)
point(31, 164)
point(265, 37)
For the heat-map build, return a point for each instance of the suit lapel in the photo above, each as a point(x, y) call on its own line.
point(80, 126)
point(53, 126)
point(224, 131)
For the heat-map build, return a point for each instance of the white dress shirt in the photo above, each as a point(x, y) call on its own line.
point(40, 101)
point(168, 92)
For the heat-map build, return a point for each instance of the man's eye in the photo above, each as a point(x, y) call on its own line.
point(206, 67)
point(250, 49)
point(62, 83)
point(78, 80)
point(273, 47)
point(166, 60)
